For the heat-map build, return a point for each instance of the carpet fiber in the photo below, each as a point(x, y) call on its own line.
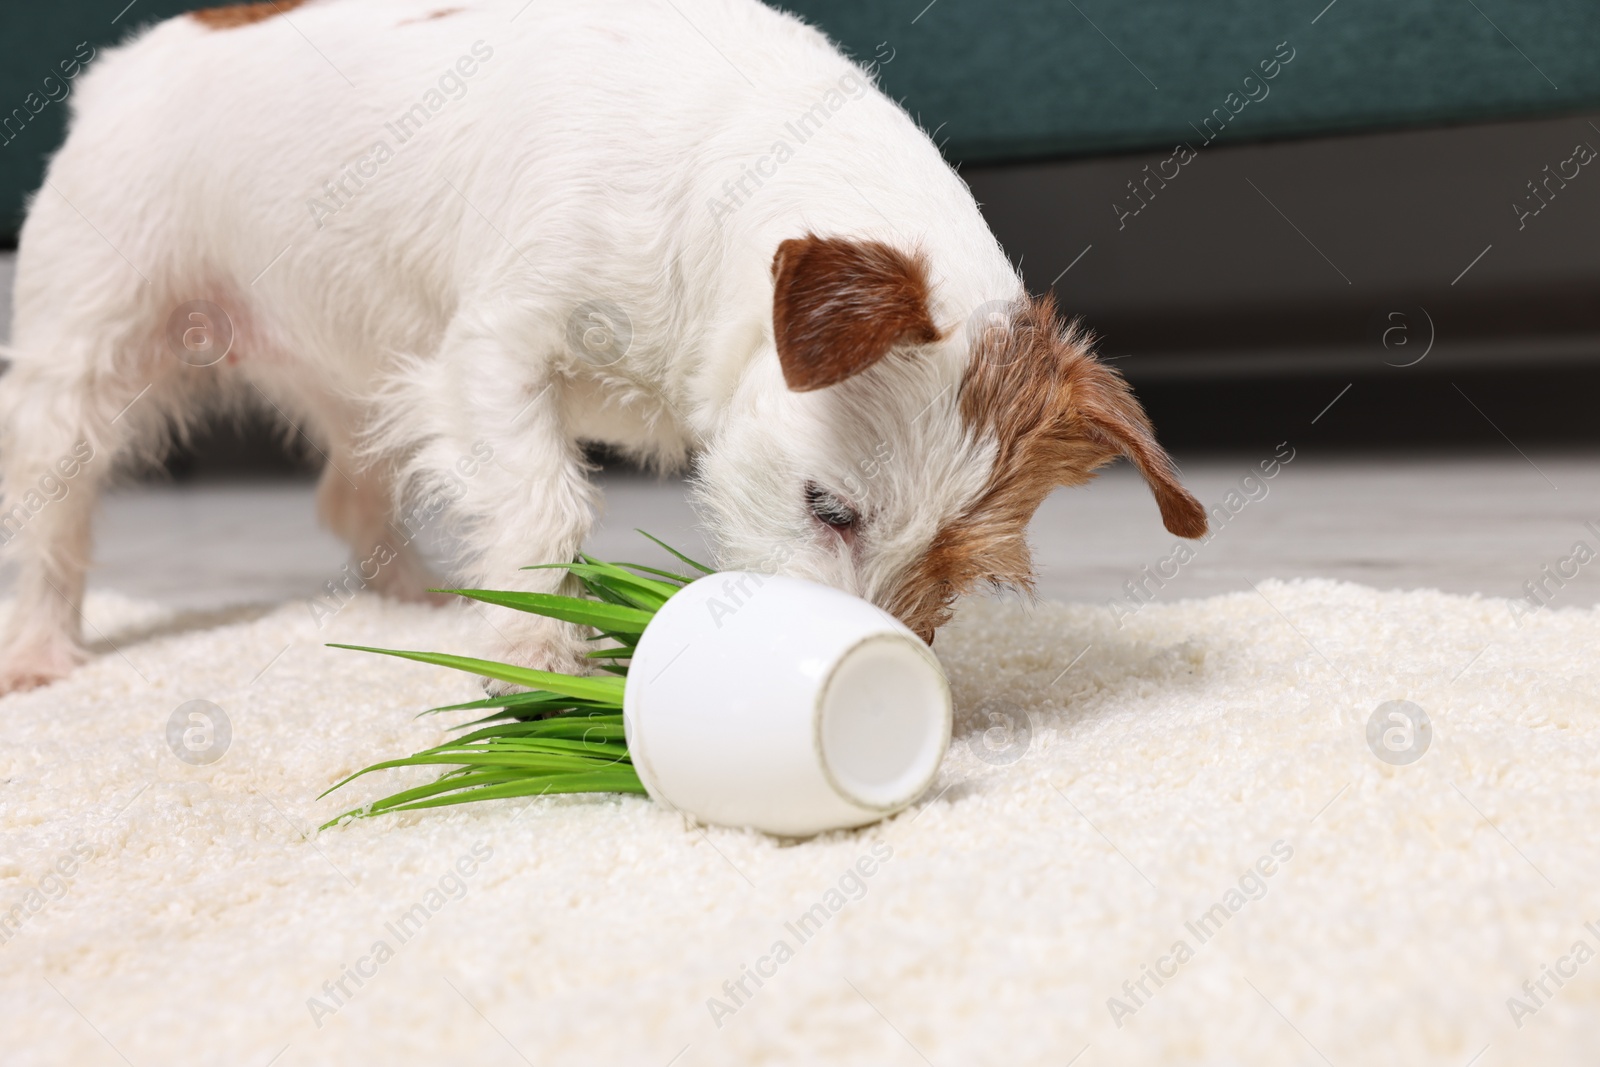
point(1199, 777)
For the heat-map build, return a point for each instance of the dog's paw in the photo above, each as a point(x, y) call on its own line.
point(560, 651)
point(33, 665)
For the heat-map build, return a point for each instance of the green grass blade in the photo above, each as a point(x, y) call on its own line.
point(595, 589)
point(615, 618)
point(701, 567)
point(673, 576)
point(555, 763)
point(590, 747)
point(628, 641)
point(618, 781)
point(530, 716)
point(497, 786)
point(615, 572)
point(607, 579)
point(606, 691)
point(561, 762)
point(527, 703)
point(582, 731)
point(434, 788)
point(613, 591)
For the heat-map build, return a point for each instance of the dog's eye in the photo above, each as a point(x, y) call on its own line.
point(829, 509)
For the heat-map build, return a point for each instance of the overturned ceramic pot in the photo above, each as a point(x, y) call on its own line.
point(783, 705)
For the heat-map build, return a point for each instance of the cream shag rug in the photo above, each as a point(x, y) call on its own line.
point(1092, 883)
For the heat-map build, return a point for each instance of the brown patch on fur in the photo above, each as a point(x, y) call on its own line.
point(1056, 414)
point(235, 15)
point(839, 306)
point(443, 12)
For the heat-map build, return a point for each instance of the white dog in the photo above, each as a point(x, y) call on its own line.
point(452, 240)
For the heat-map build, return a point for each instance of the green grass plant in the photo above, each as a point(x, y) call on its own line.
point(560, 733)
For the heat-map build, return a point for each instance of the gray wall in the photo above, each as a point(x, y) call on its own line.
point(1288, 250)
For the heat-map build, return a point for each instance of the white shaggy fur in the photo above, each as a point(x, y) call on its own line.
point(412, 306)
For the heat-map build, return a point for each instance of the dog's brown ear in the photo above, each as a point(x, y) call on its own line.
point(1114, 419)
point(840, 305)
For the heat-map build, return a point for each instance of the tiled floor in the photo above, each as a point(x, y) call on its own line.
point(1485, 524)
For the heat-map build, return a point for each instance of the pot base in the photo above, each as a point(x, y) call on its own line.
point(882, 722)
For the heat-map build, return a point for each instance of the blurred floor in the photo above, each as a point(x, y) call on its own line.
point(1464, 526)
point(1477, 524)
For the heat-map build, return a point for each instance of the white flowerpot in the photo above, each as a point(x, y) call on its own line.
point(783, 705)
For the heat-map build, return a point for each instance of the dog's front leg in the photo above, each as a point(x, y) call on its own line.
point(517, 481)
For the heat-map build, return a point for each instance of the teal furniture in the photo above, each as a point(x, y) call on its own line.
point(1032, 79)
point(1042, 79)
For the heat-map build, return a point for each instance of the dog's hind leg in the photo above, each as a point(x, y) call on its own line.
point(91, 382)
point(356, 501)
point(61, 426)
